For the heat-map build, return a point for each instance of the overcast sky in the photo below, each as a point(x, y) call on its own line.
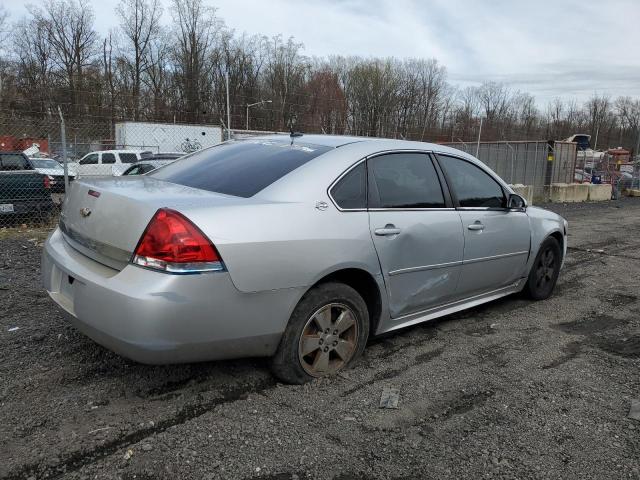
point(550, 48)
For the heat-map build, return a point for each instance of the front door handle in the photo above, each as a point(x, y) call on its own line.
point(476, 226)
point(389, 229)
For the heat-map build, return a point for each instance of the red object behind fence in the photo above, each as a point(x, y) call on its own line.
point(9, 143)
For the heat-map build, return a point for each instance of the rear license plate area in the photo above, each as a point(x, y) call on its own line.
point(66, 286)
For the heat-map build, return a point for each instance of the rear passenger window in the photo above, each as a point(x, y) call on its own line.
point(108, 158)
point(351, 191)
point(128, 157)
point(404, 180)
point(472, 186)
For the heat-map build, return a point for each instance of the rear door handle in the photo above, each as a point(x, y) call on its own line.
point(476, 226)
point(388, 229)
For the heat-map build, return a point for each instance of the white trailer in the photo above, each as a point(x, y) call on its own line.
point(166, 137)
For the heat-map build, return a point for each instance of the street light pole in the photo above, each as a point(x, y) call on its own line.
point(479, 134)
point(249, 105)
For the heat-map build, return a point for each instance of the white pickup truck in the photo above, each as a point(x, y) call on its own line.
point(105, 162)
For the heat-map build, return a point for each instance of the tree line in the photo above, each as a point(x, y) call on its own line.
point(146, 71)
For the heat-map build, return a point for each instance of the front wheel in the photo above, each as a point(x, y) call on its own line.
point(545, 270)
point(327, 331)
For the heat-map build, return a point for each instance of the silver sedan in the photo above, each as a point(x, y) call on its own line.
point(297, 248)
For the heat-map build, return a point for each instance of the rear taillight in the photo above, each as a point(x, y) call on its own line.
point(172, 243)
point(47, 182)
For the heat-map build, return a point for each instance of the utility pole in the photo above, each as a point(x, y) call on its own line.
point(226, 79)
point(479, 134)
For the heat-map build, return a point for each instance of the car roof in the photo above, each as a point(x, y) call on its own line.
point(311, 139)
point(337, 141)
point(115, 151)
point(153, 161)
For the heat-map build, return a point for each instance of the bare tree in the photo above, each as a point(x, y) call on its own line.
point(35, 62)
point(598, 110)
point(69, 27)
point(158, 74)
point(108, 74)
point(4, 24)
point(140, 25)
point(143, 71)
point(284, 75)
point(196, 27)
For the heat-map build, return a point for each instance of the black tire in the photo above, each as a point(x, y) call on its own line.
point(327, 300)
point(544, 271)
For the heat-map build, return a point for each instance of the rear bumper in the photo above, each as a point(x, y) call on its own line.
point(159, 318)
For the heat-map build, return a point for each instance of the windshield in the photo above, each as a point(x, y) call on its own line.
point(44, 163)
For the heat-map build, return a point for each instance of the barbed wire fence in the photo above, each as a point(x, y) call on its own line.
point(33, 151)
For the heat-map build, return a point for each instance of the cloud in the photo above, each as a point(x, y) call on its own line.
point(550, 48)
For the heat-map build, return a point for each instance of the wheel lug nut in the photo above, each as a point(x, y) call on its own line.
point(335, 344)
point(326, 330)
point(321, 341)
point(326, 349)
point(335, 332)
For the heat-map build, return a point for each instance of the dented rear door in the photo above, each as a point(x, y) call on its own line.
point(418, 239)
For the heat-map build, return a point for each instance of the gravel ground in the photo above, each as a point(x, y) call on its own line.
point(512, 389)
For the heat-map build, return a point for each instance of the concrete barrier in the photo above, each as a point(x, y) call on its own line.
point(599, 193)
point(632, 192)
point(569, 192)
point(525, 191)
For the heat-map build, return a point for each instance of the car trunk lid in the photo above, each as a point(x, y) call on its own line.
point(105, 218)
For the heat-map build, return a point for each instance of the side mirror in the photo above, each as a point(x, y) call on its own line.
point(516, 203)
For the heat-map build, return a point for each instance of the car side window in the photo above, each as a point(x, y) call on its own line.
point(128, 157)
point(404, 180)
point(90, 159)
point(108, 158)
point(472, 186)
point(351, 191)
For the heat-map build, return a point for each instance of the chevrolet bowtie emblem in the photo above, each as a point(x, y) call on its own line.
point(85, 212)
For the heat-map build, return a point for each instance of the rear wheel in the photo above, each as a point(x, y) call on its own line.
point(327, 331)
point(544, 272)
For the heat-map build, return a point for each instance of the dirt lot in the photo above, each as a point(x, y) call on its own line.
point(513, 389)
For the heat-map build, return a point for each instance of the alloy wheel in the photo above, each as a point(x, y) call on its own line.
point(545, 269)
point(328, 340)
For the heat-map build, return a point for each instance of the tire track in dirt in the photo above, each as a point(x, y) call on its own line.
point(76, 460)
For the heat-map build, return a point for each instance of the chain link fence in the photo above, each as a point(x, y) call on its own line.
point(34, 151)
point(537, 164)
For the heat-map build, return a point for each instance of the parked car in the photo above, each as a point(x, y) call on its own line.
point(295, 248)
point(53, 170)
point(106, 162)
point(151, 162)
point(146, 166)
point(23, 191)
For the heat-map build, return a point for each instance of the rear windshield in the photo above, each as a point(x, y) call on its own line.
point(13, 161)
point(44, 163)
point(240, 168)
